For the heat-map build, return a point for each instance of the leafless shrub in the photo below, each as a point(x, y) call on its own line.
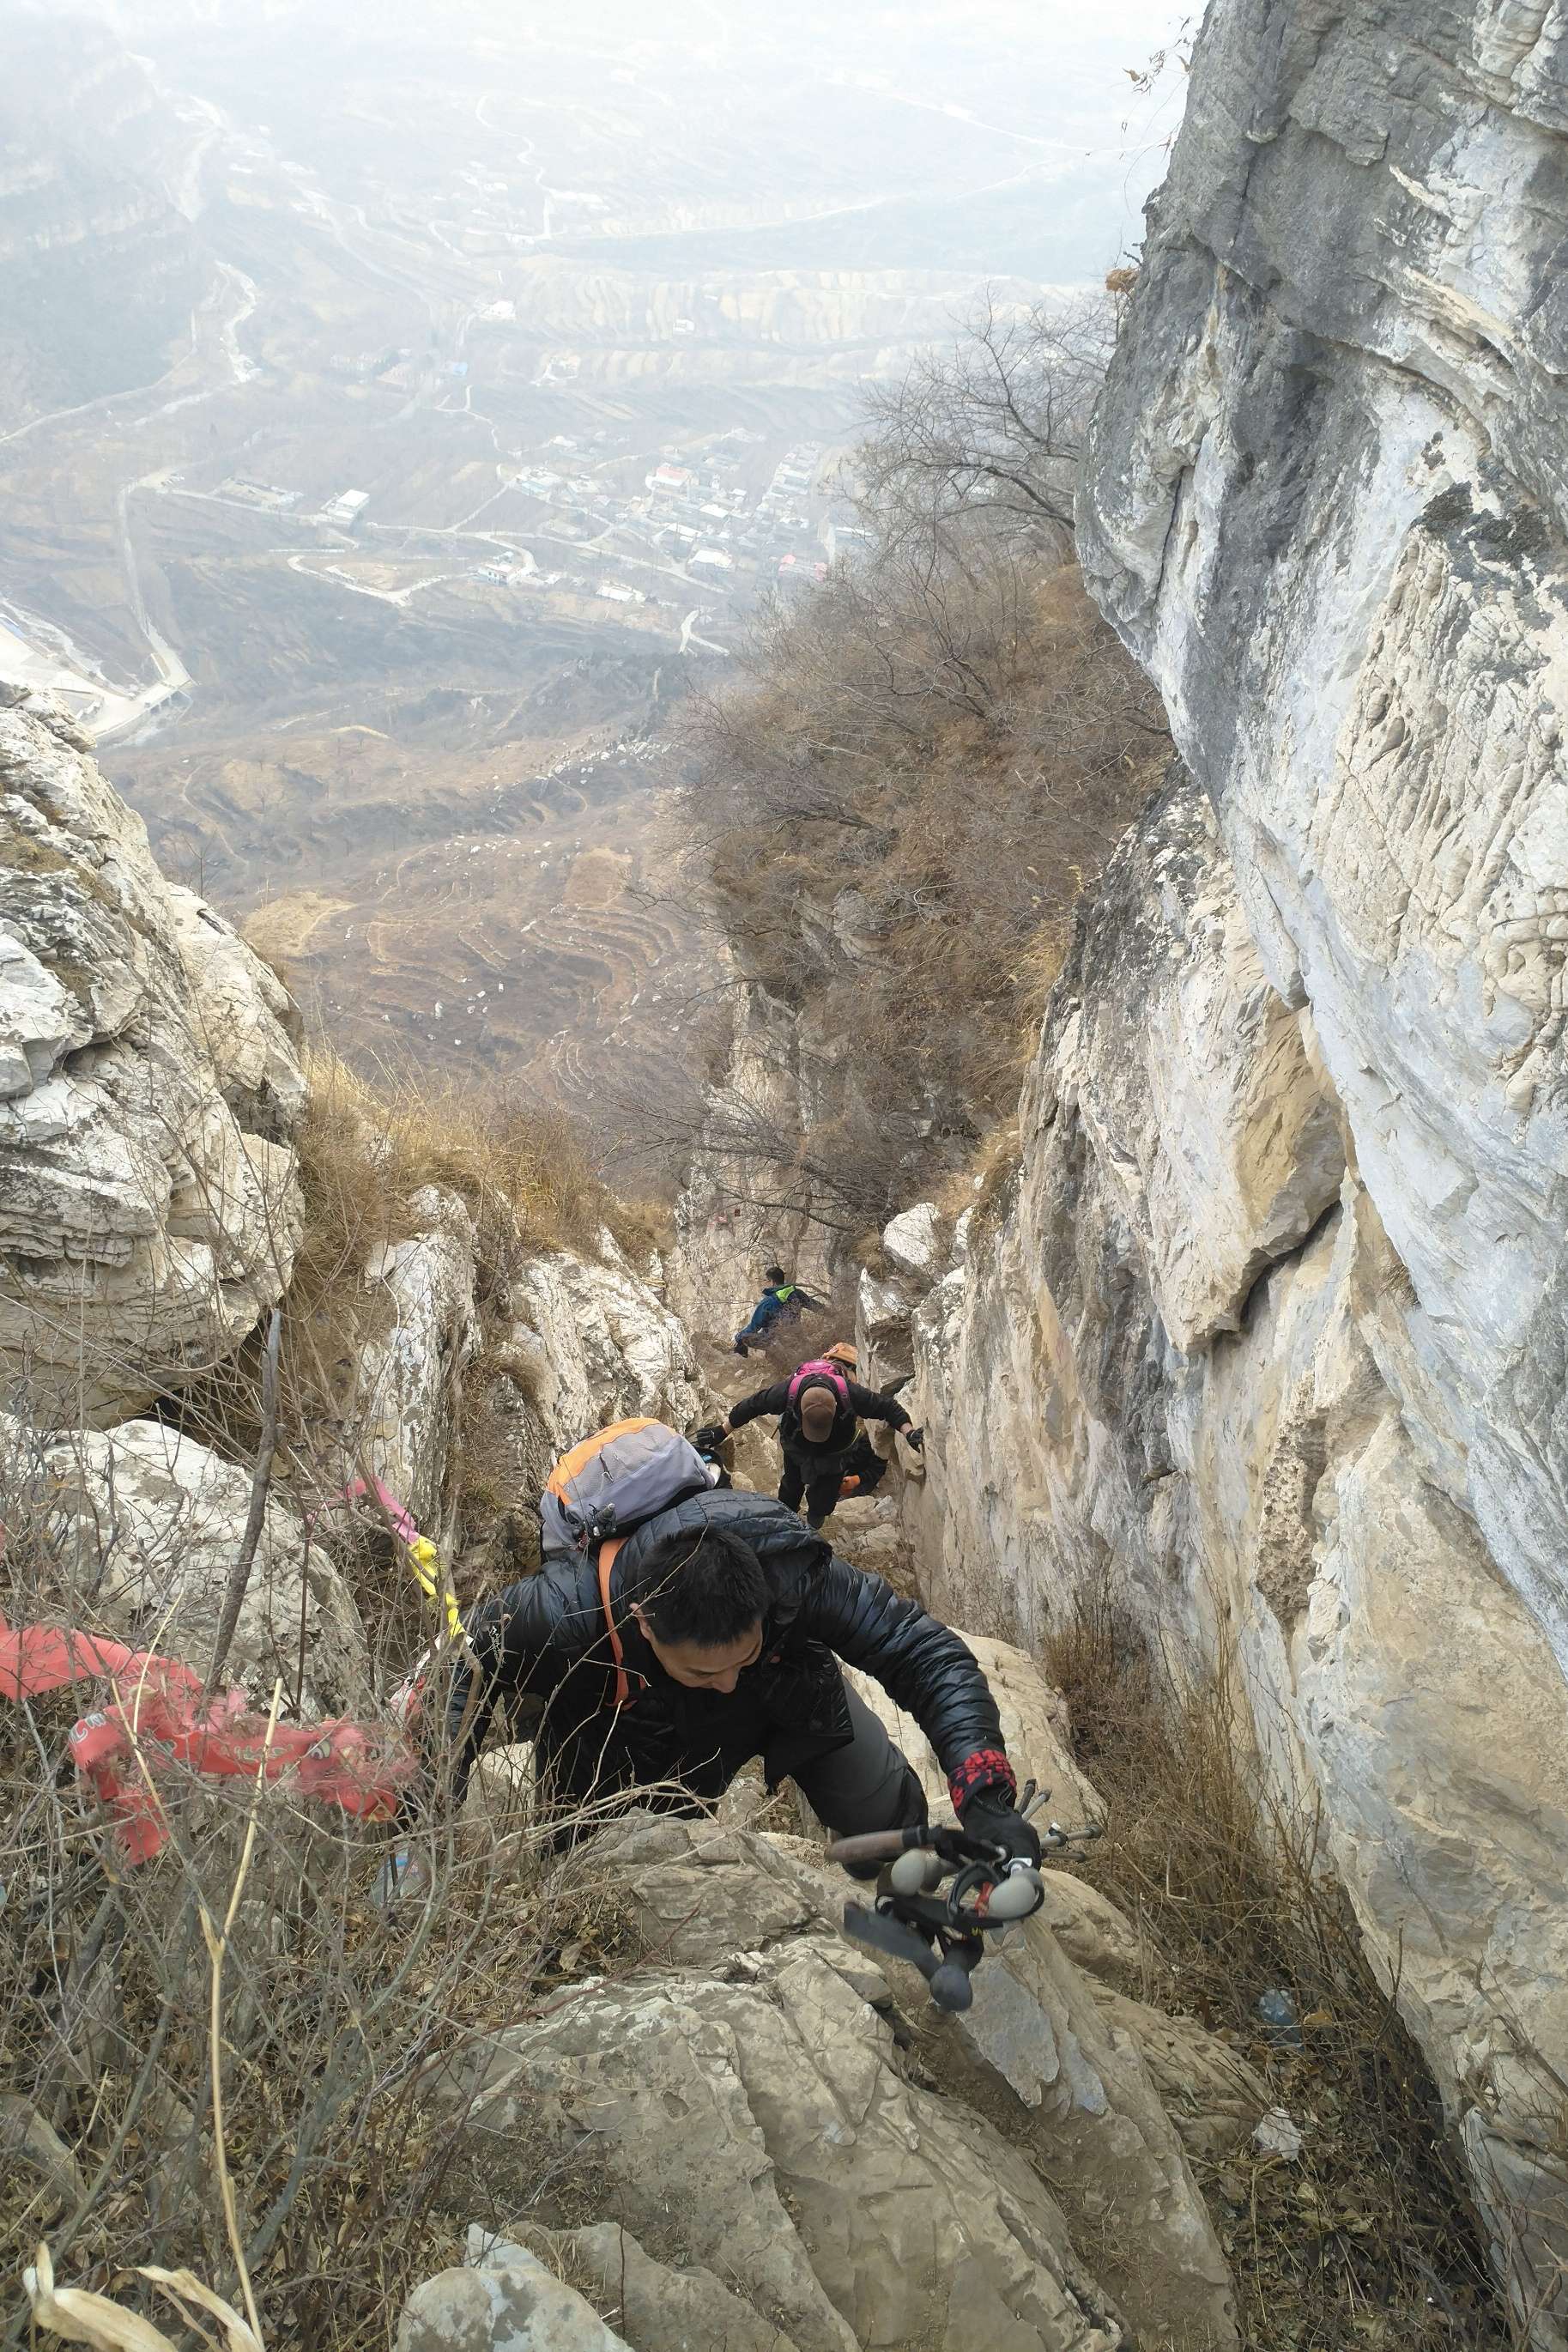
point(213, 2059)
point(998, 423)
point(917, 772)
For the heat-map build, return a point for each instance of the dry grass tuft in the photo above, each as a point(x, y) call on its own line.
point(371, 1159)
point(1370, 2239)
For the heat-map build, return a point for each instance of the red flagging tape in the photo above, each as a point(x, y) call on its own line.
point(157, 1720)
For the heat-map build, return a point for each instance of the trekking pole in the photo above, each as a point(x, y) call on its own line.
point(942, 1933)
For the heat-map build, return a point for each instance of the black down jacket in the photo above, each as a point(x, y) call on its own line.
point(542, 1657)
point(868, 1404)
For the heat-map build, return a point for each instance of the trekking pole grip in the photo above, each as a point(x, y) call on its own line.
point(873, 1845)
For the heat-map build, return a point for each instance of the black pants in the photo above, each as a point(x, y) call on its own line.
point(866, 1784)
point(820, 1477)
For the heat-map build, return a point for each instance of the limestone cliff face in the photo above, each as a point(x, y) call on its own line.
point(149, 1092)
point(1328, 508)
point(1177, 1354)
point(1268, 1328)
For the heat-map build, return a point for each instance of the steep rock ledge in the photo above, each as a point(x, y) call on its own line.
point(1326, 505)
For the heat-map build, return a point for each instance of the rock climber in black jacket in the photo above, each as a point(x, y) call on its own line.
point(819, 1413)
point(715, 1637)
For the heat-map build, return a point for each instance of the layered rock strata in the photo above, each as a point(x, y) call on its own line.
point(149, 1089)
point(1326, 505)
point(1177, 1357)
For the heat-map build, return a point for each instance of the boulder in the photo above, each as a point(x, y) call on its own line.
point(505, 2300)
point(244, 1016)
point(1096, 2117)
point(1094, 1934)
point(883, 1338)
point(913, 1243)
point(701, 1892)
point(1210, 2092)
point(142, 1526)
point(599, 1346)
point(1035, 1730)
point(731, 1901)
point(148, 1203)
point(762, 2130)
point(657, 2306)
point(419, 1331)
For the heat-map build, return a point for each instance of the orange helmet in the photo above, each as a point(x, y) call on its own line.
point(840, 1352)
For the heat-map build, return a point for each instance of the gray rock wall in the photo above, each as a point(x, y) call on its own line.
point(1328, 509)
point(1177, 1354)
point(1267, 1328)
point(150, 1089)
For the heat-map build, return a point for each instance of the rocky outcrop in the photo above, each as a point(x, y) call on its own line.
point(1073, 2056)
point(418, 1332)
point(1277, 1492)
point(140, 1527)
point(149, 1088)
point(504, 2297)
point(742, 1202)
point(567, 1344)
point(1327, 507)
point(604, 1346)
point(741, 2113)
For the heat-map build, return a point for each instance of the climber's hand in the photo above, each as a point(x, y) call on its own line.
point(991, 1815)
point(915, 1438)
point(710, 1437)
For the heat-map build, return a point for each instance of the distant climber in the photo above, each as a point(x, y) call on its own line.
point(781, 1304)
point(820, 1408)
point(674, 1632)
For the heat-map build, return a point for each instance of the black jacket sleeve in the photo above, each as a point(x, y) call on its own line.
point(872, 1405)
point(807, 1304)
point(513, 1644)
point(921, 1663)
point(764, 1401)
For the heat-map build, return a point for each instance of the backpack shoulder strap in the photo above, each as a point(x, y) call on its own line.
point(624, 1694)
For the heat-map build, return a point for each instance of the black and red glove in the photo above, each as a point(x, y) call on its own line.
point(984, 1795)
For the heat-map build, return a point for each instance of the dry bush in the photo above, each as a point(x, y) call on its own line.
point(349, 2183)
point(915, 774)
point(1370, 2238)
point(902, 811)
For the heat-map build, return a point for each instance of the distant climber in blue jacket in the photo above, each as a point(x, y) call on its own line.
point(781, 1304)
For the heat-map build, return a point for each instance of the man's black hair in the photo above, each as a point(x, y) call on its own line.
point(774, 1274)
point(707, 1590)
